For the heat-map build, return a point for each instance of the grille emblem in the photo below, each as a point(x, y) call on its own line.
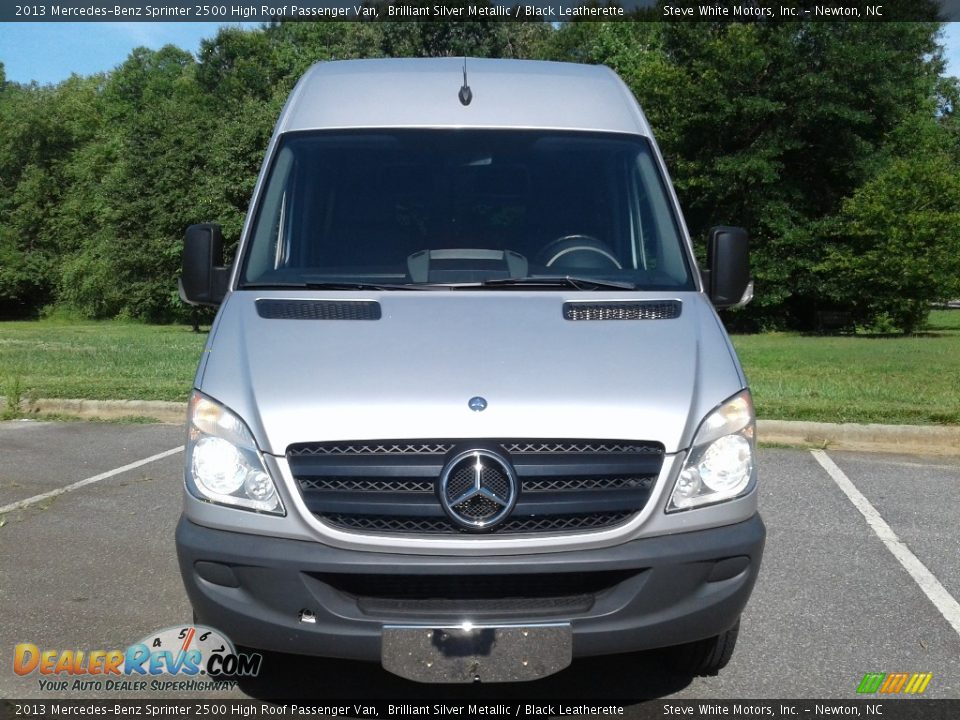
point(478, 489)
point(477, 404)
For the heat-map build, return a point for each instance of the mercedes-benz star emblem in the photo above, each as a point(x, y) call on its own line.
point(477, 404)
point(478, 489)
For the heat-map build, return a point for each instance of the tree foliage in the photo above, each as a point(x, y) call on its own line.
point(774, 127)
point(894, 246)
point(42, 129)
point(835, 144)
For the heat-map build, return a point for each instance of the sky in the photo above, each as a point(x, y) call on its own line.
point(50, 52)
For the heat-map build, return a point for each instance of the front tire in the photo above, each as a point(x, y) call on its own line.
point(705, 657)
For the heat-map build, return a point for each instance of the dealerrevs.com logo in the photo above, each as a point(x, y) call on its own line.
point(186, 652)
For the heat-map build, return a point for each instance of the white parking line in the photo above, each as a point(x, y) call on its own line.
point(905, 463)
point(20, 504)
point(931, 587)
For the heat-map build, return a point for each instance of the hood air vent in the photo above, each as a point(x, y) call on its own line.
point(318, 309)
point(645, 310)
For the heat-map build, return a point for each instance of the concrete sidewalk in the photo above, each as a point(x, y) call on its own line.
point(909, 439)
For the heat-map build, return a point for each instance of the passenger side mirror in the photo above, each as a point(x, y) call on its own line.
point(204, 279)
point(728, 259)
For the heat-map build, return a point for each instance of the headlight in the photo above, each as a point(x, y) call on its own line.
point(223, 463)
point(720, 463)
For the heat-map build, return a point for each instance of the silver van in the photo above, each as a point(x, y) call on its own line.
point(467, 408)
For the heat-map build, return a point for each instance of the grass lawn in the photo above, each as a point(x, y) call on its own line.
point(109, 360)
point(908, 380)
point(911, 380)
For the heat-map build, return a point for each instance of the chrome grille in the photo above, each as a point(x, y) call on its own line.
point(460, 482)
point(585, 483)
point(367, 484)
point(390, 486)
point(434, 526)
point(390, 448)
point(540, 447)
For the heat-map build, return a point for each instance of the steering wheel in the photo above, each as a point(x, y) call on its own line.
point(580, 252)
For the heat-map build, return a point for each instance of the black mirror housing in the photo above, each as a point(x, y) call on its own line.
point(204, 279)
point(728, 258)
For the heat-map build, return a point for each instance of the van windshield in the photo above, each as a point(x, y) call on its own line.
point(401, 209)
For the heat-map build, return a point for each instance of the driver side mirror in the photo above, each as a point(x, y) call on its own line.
point(728, 280)
point(204, 280)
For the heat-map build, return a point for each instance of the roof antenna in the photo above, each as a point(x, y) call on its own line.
point(466, 94)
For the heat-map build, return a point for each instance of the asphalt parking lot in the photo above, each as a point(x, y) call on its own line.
point(94, 568)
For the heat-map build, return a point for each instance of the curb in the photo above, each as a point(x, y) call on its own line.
point(165, 412)
point(907, 439)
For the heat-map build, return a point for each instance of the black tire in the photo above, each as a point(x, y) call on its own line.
point(705, 657)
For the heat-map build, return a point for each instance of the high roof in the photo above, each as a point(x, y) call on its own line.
point(423, 92)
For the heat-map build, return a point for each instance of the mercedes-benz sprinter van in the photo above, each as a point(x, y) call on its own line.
point(467, 408)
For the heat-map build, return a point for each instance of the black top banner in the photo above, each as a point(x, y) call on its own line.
point(878, 709)
point(484, 10)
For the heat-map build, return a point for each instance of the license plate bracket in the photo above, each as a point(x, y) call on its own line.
point(476, 653)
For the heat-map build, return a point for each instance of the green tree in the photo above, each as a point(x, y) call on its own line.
point(154, 133)
point(467, 38)
point(771, 126)
point(42, 127)
point(799, 131)
point(894, 246)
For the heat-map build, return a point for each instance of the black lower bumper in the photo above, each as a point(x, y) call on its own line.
point(643, 594)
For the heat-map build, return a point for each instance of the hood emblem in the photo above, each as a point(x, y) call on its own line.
point(477, 404)
point(478, 489)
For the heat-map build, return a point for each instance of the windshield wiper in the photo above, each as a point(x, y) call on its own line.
point(331, 285)
point(566, 281)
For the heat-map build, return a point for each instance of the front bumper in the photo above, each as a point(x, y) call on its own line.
point(651, 592)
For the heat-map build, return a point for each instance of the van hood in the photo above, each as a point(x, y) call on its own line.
point(411, 373)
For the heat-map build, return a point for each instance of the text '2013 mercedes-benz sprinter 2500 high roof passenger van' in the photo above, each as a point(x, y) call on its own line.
point(467, 408)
